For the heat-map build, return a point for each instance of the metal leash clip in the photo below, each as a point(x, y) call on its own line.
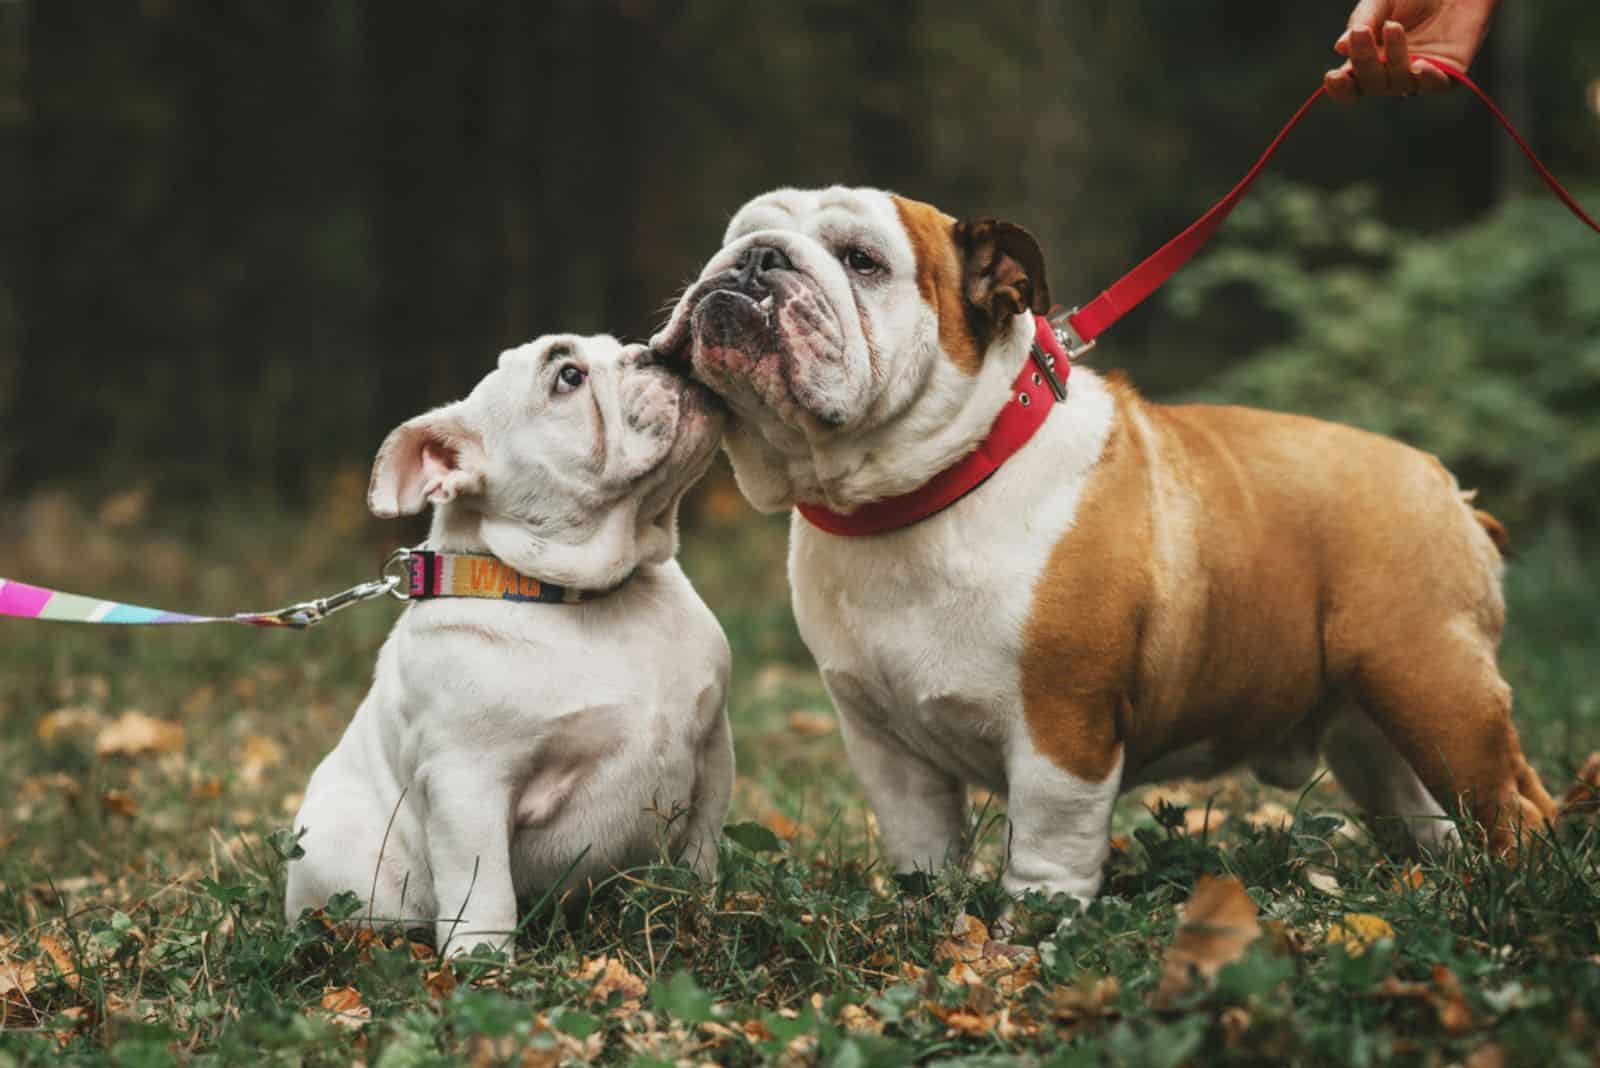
point(391, 582)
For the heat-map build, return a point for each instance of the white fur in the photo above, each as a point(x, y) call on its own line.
point(919, 632)
point(919, 638)
point(500, 742)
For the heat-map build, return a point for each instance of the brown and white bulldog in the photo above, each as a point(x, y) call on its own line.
point(1141, 591)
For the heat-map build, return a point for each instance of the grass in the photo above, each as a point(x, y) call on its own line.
point(141, 893)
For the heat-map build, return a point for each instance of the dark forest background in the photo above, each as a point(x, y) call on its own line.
point(239, 241)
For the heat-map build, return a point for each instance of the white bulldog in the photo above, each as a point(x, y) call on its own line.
point(502, 742)
point(1138, 592)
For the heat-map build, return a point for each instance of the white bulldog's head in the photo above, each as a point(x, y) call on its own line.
point(863, 340)
point(567, 461)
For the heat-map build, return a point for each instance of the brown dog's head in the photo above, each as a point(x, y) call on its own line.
point(861, 338)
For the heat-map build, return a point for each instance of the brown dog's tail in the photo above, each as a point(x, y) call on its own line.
point(1496, 531)
point(1491, 526)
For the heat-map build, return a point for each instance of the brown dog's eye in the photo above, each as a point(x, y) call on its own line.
point(861, 261)
point(570, 378)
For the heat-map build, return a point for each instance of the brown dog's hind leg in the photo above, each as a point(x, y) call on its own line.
point(1440, 701)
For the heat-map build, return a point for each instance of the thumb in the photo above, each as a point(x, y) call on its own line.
point(1367, 15)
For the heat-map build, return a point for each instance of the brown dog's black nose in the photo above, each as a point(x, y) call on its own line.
point(758, 260)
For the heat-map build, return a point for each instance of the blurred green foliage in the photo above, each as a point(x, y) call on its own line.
point(238, 242)
point(1480, 344)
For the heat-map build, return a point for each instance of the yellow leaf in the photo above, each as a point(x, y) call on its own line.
point(38, 787)
point(1455, 1015)
point(1269, 815)
point(343, 1005)
point(856, 1018)
point(17, 977)
point(1087, 999)
point(609, 975)
point(136, 734)
point(966, 940)
point(1199, 821)
point(440, 983)
point(782, 826)
point(65, 966)
point(811, 724)
point(963, 974)
point(119, 803)
point(126, 508)
point(1410, 879)
point(73, 719)
point(1358, 930)
point(259, 755)
point(198, 702)
point(1217, 925)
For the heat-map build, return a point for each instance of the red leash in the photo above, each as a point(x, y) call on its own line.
point(1094, 318)
point(1042, 380)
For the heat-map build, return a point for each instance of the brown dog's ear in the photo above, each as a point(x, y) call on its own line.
point(1002, 269)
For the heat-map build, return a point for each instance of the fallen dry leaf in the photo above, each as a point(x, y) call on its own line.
point(66, 967)
point(36, 788)
point(1490, 1055)
point(782, 826)
point(125, 508)
point(198, 702)
point(1200, 821)
point(205, 787)
point(963, 974)
point(441, 983)
point(1235, 1021)
point(610, 976)
point(856, 1018)
point(1410, 879)
point(18, 976)
point(811, 724)
point(136, 734)
point(1175, 796)
point(74, 719)
point(258, 755)
point(1218, 922)
point(967, 937)
point(1455, 1015)
point(1089, 998)
point(1269, 815)
point(343, 1006)
point(119, 803)
point(1324, 881)
point(976, 959)
point(1584, 794)
point(1358, 930)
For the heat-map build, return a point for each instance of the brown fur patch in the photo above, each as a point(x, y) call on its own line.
point(1230, 570)
point(1082, 634)
point(939, 279)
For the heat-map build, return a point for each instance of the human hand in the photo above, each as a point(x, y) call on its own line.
point(1450, 30)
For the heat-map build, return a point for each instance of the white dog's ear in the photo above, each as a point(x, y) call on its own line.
point(433, 458)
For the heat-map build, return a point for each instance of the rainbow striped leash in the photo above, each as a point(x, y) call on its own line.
point(407, 575)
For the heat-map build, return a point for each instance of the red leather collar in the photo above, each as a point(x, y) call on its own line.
point(1033, 394)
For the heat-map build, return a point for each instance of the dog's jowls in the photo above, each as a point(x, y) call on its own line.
point(502, 742)
point(1141, 591)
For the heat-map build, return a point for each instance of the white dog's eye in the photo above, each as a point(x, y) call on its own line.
point(860, 261)
point(570, 378)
